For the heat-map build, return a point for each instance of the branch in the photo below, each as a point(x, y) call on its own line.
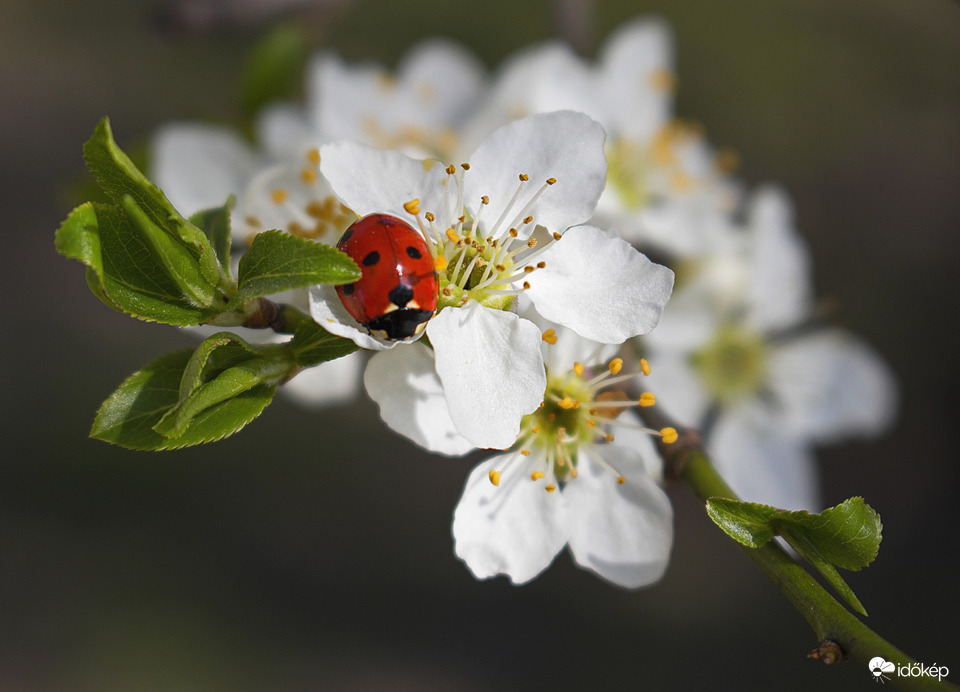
point(840, 633)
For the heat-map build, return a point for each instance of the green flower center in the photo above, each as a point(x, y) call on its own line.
point(733, 365)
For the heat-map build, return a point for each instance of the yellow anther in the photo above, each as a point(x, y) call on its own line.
point(452, 236)
point(528, 269)
point(644, 366)
point(412, 207)
point(484, 200)
point(578, 369)
point(557, 236)
point(525, 452)
point(524, 177)
point(253, 221)
point(532, 243)
point(528, 219)
point(450, 169)
point(279, 196)
point(615, 365)
point(541, 265)
point(662, 80)
point(429, 216)
point(537, 475)
point(592, 423)
point(550, 487)
point(573, 473)
point(669, 435)
point(567, 403)
point(526, 285)
point(465, 166)
point(313, 156)
point(608, 437)
point(536, 428)
point(648, 399)
point(551, 181)
point(621, 480)
point(495, 477)
point(308, 175)
point(440, 263)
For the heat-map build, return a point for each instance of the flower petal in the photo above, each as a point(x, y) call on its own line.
point(490, 364)
point(327, 311)
point(763, 464)
point(635, 66)
point(405, 386)
point(600, 286)
point(198, 166)
point(515, 528)
point(372, 181)
point(564, 145)
point(781, 291)
point(829, 385)
point(623, 532)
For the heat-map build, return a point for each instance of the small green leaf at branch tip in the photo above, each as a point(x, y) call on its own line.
point(277, 261)
point(846, 536)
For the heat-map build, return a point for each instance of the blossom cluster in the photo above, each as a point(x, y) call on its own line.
point(537, 190)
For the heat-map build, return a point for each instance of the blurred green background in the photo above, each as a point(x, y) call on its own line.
point(280, 560)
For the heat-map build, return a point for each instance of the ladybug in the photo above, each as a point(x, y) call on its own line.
point(398, 290)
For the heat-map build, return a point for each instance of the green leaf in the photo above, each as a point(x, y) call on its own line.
point(123, 270)
point(312, 345)
point(274, 69)
point(183, 399)
point(128, 187)
point(745, 522)
point(223, 367)
point(277, 261)
point(846, 536)
point(180, 263)
point(215, 224)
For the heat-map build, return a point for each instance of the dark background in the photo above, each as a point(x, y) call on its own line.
point(312, 550)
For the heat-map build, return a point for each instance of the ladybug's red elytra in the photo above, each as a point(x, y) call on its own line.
point(398, 290)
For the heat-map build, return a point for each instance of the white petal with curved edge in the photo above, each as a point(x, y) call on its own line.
point(327, 311)
point(761, 463)
point(372, 181)
point(830, 385)
point(781, 290)
point(198, 165)
point(490, 364)
point(635, 68)
point(600, 286)
point(515, 529)
point(622, 532)
point(564, 145)
point(405, 386)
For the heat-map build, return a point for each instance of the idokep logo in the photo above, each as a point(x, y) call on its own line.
point(882, 670)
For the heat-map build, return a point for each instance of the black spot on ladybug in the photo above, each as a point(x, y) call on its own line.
point(347, 289)
point(413, 252)
point(401, 295)
point(346, 236)
point(371, 259)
